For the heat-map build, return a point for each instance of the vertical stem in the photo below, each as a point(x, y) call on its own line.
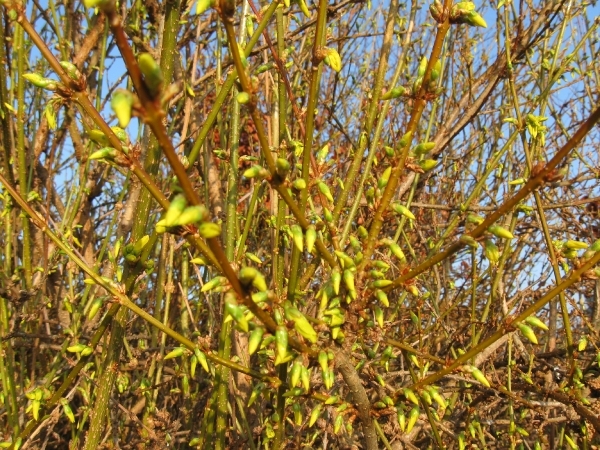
point(418, 108)
point(538, 200)
point(225, 336)
point(7, 362)
point(22, 153)
point(371, 115)
point(278, 135)
point(106, 381)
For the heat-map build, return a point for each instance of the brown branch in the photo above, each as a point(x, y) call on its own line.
point(359, 395)
point(534, 183)
point(90, 41)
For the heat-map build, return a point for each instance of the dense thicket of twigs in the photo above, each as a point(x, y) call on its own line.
point(441, 313)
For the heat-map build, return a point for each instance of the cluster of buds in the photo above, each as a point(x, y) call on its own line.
point(179, 214)
point(133, 251)
point(257, 172)
point(301, 323)
point(107, 153)
point(570, 248)
point(407, 423)
point(81, 349)
point(78, 81)
point(431, 86)
point(37, 396)
point(394, 93)
point(461, 12)
point(464, 12)
point(330, 311)
point(428, 395)
point(526, 330)
point(327, 372)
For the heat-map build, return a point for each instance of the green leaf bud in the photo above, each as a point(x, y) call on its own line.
point(77, 348)
point(474, 218)
point(295, 373)
point(72, 71)
point(122, 105)
point(41, 82)
point(397, 251)
point(242, 98)
point(305, 378)
point(405, 140)
point(201, 357)
point(382, 297)
point(422, 66)
point(106, 153)
point(301, 323)
point(176, 208)
point(298, 237)
point(94, 308)
point(396, 92)
point(325, 190)
point(575, 245)
point(466, 239)
point(427, 164)
point(385, 177)
point(362, 232)
point(413, 416)
point(304, 9)
point(403, 211)
point(410, 396)
point(152, 72)
point(336, 278)
point(492, 253)
point(282, 167)
point(209, 230)
point(426, 397)
point(314, 415)
point(213, 284)
point(323, 361)
point(527, 332)
point(176, 353)
point(332, 58)
point(281, 341)
point(532, 320)
point(423, 147)
point(256, 172)
point(478, 375)
point(203, 6)
point(311, 238)
point(255, 340)
point(401, 419)
point(349, 282)
point(236, 311)
point(500, 232)
point(191, 214)
point(381, 283)
point(378, 316)
point(299, 184)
